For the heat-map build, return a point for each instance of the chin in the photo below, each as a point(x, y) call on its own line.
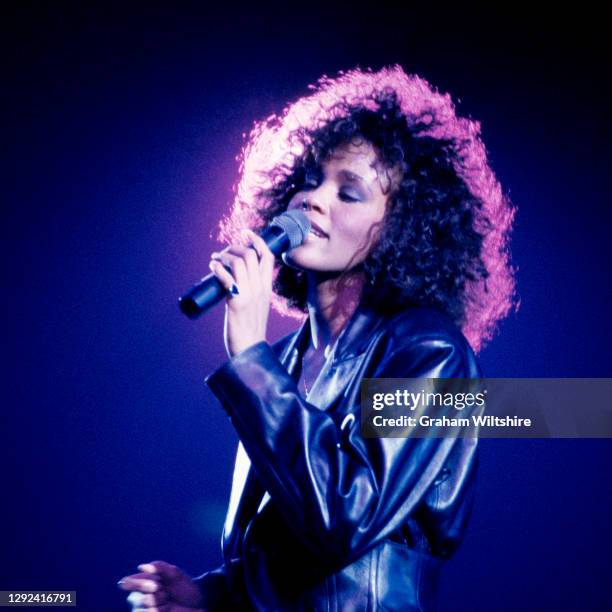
point(299, 259)
point(303, 263)
point(312, 265)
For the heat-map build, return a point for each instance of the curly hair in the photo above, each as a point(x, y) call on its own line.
point(445, 235)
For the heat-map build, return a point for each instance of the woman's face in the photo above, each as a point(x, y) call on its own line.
point(344, 201)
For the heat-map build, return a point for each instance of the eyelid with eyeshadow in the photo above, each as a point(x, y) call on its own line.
point(355, 188)
point(355, 179)
point(353, 194)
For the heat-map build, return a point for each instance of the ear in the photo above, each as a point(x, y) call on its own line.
point(371, 239)
point(375, 231)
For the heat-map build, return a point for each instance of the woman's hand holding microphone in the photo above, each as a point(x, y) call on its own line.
point(246, 273)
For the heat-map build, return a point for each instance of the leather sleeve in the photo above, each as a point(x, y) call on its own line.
point(341, 493)
point(214, 588)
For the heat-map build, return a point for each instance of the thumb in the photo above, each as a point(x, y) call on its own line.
point(161, 568)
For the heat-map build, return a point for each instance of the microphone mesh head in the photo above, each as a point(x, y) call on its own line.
point(296, 224)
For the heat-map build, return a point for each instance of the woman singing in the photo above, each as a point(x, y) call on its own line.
point(405, 274)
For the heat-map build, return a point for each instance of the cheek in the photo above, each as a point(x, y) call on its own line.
point(357, 232)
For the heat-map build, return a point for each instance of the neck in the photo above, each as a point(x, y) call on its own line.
point(332, 301)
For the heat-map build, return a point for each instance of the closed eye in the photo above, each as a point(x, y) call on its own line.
point(348, 197)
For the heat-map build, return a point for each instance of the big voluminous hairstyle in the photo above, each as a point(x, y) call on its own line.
point(444, 238)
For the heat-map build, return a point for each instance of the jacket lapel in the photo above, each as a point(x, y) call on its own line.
point(344, 360)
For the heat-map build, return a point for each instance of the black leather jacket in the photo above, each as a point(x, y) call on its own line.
point(319, 517)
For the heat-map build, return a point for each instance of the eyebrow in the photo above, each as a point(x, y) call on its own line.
point(354, 178)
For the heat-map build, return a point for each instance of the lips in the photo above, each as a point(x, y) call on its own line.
point(317, 231)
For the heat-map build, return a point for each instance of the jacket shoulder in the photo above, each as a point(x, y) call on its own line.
point(415, 323)
point(427, 332)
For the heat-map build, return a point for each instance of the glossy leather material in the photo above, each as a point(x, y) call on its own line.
point(319, 517)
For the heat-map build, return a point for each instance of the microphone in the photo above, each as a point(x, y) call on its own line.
point(284, 233)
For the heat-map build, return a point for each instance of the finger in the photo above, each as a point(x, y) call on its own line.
point(138, 601)
point(244, 247)
point(245, 239)
point(235, 264)
point(225, 277)
point(259, 273)
point(266, 257)
point(156, 599)
point(144, 583)
point(146, 575)
point(239, 250)
point(259, 244)
point(247, 254)
point(165, 570)
point(135, 599)
point(147, 600)
point(247, 236)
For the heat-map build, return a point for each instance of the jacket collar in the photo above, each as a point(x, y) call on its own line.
point(352, 341)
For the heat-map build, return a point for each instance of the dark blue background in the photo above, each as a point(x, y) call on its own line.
point(123, 127)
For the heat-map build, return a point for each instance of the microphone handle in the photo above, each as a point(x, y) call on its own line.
point(209, 291)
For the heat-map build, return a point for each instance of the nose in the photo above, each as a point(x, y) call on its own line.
point(313, 201)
